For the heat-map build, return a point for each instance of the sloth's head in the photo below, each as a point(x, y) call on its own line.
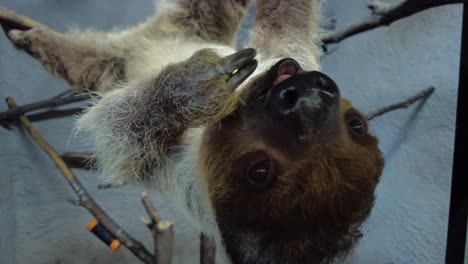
point(291, 173)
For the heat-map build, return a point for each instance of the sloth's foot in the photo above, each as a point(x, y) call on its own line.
point(10, 20)
point(78, 62)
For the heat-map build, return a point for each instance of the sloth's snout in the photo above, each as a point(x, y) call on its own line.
point(288, 105)
point(304, 93)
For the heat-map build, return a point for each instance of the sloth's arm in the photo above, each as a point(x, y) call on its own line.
point(287, 29)
point(135, 127)
point(95, 60)
point(211, 20)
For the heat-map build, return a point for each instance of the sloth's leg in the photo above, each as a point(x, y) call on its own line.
point(212, 20)
point(135, 127)
point(78, 61)
point(287, 29)
point(92, 60)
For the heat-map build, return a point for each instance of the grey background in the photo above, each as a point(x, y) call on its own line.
point(38, 224)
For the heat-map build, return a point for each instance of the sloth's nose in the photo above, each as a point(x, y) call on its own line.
point(304, 93)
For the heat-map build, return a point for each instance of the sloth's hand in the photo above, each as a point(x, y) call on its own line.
point(203, 87)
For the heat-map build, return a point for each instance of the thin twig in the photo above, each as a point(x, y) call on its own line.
point(207, 250)
point(150, 208)
point(12, 115)
point(404, 104)
point(384, 14)
point(162, 232)
point(64, 94)
point(85, 199)
point(47, 115)
point(80, 160)
point(52, 114)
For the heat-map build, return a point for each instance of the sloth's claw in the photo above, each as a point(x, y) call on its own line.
point(10, 20)
point(237, 60)
point(242, 61)
point(242, 74)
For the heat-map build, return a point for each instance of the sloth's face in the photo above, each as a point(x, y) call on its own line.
point(292, 172)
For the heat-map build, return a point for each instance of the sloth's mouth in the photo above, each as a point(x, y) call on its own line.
point(286, 69)
point(281, 71)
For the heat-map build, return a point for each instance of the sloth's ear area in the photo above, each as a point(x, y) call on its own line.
point(77, 60)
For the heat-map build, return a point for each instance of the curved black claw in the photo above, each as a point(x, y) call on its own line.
point(237, 60)
point(10, 20)
point(242, 61)
point(242, 74)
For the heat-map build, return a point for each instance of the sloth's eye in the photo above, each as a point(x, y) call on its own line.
point(260, 172)
point(356, 124)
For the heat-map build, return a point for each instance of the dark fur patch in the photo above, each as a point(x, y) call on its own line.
point(324, 189)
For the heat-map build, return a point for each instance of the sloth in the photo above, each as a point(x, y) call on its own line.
point(256, 145)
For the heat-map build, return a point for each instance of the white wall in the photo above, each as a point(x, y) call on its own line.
point(409, 221)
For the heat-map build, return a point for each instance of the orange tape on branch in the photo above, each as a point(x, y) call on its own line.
point(103, 234)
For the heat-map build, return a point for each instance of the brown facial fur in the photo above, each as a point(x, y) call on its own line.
point(320, 197)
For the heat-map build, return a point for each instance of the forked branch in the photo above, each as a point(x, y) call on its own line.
point(161, 230)
point(384, 14)
point(85, 200)
point(67, 97)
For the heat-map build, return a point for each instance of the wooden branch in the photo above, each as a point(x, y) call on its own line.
point(85, 199)
point(384, 14)
point(207, 250)
point(13, 115)
point(52, 114)
point(161, 230)
point(404, 104)
point(65, 93)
